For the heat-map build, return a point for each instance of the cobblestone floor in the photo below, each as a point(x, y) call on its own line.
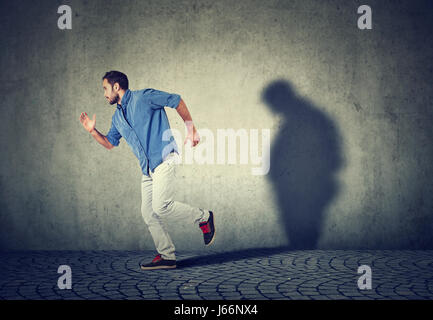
point(248, 274)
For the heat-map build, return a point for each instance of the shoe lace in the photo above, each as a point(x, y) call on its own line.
point(157, 258)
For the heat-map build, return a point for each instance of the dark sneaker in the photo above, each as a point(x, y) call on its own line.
point(159, 263)
point(208, 229)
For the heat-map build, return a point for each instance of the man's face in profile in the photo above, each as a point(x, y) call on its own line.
point(111, 93)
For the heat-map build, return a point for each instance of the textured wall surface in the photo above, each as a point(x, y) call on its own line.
point(349, 111)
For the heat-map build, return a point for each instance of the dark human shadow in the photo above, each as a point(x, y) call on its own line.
point(222, 257)
point(304, 159)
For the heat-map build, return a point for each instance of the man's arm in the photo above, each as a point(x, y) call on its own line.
point(89, 125)
point(192, 133)
point(101, 139)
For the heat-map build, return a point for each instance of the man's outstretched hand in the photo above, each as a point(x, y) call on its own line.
point(88, 124)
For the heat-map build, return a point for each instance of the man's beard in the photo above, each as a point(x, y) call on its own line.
point(115, 100)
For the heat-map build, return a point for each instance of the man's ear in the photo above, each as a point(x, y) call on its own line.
point(116, 87)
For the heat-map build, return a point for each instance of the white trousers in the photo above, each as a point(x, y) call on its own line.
point(157, 191)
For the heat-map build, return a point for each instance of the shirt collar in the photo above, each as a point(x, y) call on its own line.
point(125, 99)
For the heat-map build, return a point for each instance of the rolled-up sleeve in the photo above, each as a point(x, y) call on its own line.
point(161, 99)
point(113, 135)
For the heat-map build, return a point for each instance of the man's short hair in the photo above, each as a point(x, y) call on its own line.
point(116, 76)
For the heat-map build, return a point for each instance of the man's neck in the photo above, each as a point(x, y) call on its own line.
point(121, 93)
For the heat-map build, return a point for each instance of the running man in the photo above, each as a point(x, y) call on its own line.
point(140, 118)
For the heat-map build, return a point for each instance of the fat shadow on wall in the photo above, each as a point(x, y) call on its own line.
point(305, 157)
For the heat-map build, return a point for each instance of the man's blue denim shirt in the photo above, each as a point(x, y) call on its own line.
point(142, 121)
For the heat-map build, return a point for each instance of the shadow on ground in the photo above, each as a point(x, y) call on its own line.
point(223, 257)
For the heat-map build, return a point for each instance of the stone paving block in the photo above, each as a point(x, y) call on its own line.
point(308, 291)
point(207, 291)
point(274, 296)
point(300, 297)
point(213, 298)
point(169, 297)
point(191, 297)
point(249, 291)
point(320, 297)
point(150, 297)
point(337, 297)
point(254, 297)
point(362, 298)
point(233, 297)
point(326, 292)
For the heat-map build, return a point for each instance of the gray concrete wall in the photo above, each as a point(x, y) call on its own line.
point(349, 111)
